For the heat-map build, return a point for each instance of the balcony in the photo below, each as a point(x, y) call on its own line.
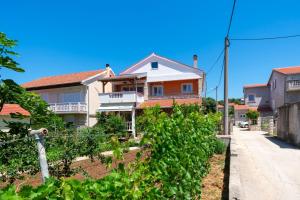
point(77, 107)
point(293, 85)
point(121, 97)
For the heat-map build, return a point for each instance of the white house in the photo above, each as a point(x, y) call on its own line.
point(155, 80)
point(73, 96)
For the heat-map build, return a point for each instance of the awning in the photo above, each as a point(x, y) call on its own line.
point(162, 78)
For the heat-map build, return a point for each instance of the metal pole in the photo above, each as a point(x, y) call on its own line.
point(216, 98)
point(39, 137)
point(226, 87)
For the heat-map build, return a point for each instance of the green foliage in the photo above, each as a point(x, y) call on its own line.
point(252, 114)
point(232, 100)
point(111, 123)
point(18, 152)
point(6, 53)
point(219, 147)
point(209, 105)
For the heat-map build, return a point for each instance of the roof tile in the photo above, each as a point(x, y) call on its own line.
point(61, 79)
point(13, 109)
point(169, 102)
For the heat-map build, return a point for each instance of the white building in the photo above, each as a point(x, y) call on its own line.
point(72, 96)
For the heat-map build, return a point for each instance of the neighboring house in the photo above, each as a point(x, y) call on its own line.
point(282, 88)
point(240, 113)
point(72, 96)
point(5, 115)
point(258, 96)
point(155, 80)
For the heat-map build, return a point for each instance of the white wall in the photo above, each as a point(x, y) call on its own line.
point(167, 70)
point(56, 95)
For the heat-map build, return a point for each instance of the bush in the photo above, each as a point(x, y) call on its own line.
point(219, 146)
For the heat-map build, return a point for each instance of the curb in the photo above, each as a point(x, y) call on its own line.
point(235, 191)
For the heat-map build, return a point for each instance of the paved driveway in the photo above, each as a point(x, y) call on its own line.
point(269, 169)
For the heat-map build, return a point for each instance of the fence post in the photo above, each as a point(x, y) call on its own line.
point(39, 137)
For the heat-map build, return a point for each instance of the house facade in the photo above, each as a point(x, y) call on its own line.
point(155, 80)
point(282, 88)
point(74, 96)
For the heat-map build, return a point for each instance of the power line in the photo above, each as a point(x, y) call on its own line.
point(216, 61)
point(221, 75)
point(231, 16)
point(266, 38)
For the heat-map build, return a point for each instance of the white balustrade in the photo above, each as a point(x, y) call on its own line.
point(293, 85)
point(128, 126)
point(77, 107)
point(121, 97)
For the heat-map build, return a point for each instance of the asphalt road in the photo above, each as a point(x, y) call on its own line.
point(269, 169)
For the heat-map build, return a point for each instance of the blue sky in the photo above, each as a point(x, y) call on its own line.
point(57, 37)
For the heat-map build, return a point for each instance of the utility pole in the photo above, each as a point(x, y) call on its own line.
point(216, 98)
point(225, 120)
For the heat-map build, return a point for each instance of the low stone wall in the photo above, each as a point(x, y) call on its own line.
point(288, 123)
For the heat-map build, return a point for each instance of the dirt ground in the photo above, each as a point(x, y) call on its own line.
point(215, 184)
point(94, 169)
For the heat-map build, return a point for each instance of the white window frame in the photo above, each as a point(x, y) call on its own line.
point(68, 97)
point(187, 92)
point(158, 86)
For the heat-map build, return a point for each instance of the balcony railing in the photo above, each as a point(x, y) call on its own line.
point(77, 107)
point(128, 126)
point(293, 85)
point(121, 97)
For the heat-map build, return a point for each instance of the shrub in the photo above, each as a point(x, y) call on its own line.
point(219, 146)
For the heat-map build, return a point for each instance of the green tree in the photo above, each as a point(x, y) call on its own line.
point(253, 116)
point(209, 105)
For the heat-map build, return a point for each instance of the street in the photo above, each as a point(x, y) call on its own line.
point(268, 168)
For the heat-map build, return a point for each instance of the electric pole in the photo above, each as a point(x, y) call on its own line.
point(225, 120)
point(216, 98)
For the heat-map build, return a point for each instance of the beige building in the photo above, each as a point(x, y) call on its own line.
point(73, 96)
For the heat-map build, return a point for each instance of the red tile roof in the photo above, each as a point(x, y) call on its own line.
point(61, 79)
point(244, 107)
point(169, 102)
point(255, 85)
point(288, 70)
point(14, 109)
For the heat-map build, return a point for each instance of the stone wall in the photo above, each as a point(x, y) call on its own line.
point(288, 123)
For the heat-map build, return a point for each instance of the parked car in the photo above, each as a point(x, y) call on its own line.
point(244, 124)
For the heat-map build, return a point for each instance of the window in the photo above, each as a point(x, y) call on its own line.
point(154, 65)
point(71, 97)
point(157, 90)
point(187, 88)
point(243, 116)
point(251, 97)
point(274, 84)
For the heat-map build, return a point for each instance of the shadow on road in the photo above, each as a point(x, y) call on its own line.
point(280, 143)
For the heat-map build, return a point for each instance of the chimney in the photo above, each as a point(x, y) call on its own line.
point(107, 68)
point(195, 59)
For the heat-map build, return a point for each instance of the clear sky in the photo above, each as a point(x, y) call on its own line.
point(57, 37)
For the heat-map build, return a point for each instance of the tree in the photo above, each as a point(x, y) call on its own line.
point(8, 87)
point(253, 116)
point(209, 105)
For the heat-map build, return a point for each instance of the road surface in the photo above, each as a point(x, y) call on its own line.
point(269, 169)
